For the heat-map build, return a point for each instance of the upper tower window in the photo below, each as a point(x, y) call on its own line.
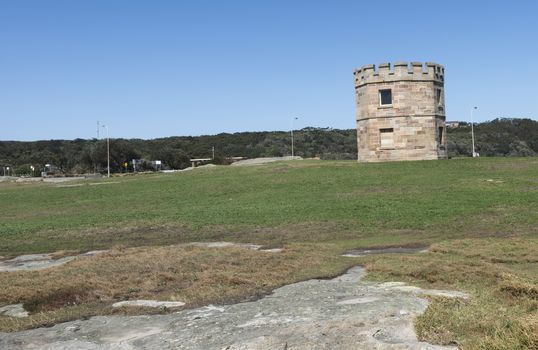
point(439, 101)
point(385, 97)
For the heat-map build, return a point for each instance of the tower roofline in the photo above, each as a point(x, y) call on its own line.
point(386, 72)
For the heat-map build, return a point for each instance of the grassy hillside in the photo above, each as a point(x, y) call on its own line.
point(479, 216)
point(362, 198)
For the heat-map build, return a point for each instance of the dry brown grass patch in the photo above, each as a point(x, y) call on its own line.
point(194, 275)
point(517, 287)
point(499, 273)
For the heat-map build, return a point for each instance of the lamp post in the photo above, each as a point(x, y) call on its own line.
point(107, 151)
point(292, 148)
point(472, 129)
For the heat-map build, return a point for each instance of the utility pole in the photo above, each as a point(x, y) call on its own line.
point(472, 129)
point(96, 147)
point(292, 150)
point(107, 151)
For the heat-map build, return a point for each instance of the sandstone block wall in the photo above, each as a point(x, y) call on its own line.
point(412, 127)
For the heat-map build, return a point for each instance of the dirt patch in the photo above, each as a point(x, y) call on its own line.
point(280, 171)
point(58, 299)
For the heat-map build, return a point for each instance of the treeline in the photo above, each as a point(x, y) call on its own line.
point(497, 138)
point(87, 156)
point(500, 137)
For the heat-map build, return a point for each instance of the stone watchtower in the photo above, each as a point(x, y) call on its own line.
point(400, 112)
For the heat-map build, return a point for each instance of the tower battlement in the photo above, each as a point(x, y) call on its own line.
point(386, 72)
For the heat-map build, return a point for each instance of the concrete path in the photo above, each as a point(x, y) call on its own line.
point(342, 313)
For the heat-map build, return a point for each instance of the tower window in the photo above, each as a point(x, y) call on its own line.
point(386, 137)
point(385, 97)
point(440, 135)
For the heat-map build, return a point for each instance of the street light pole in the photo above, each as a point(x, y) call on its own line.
point(292, 150)
point(472, 129)
point(107, 151)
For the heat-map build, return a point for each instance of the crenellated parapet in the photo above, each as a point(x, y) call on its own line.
point(399, 71)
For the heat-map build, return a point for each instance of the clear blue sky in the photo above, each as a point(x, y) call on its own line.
point(161, 68)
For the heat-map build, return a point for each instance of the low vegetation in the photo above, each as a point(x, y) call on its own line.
point(500, 137)
point(499, 272)
point(478, 216)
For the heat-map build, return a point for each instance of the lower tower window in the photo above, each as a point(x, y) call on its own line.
point(386, 137)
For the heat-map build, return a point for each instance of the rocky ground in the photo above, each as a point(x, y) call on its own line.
point(342, 313)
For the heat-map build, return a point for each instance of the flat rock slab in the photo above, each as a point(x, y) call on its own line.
point(390, 250)
point(148, 303)
point(32, 262)
point(237, 245)
point(62, 179)
point(342, 313)
point(95, 252)
point(13, 310)
point(259, 161)
point(226, 245)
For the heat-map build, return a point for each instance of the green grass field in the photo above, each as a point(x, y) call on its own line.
point(479, 215)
